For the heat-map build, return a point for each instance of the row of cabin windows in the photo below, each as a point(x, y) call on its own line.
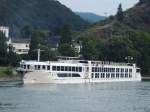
point(54, 68)
point(68, 75)
point(36, 67)
point(67, 68)
point(101, 69)
point(112, 75)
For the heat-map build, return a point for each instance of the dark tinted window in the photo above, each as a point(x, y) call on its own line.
point(73, 69)
point(58, 68)
point(62, 68)
point(54, 68)
point(75, 75)
point(48, 67)
point(80, 69)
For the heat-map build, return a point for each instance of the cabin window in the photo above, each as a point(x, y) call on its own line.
point(112, 75)
point(73, 69)
point(122, 75)
point(48, 67)
point(24, 67)
point(77, 69)
point(130, 75)
point(122, 70)
point(54, 68)
point(102, 75)
point(69, 68)
point(96, 69)
point(93, 69)
point(43, 67)
point(62, 68)
point(117, 69)
point(107, 75)
point(35, 67)
point(39, 67)
point(126, 70)
point(66, 68)
point(96, 75)
point(130, 70)
point(92, 75)
point(58, 68)
point(126, 75)
point(113, 70)
point(28, 66)
point(100, 69)
point(80, 69)
point(117, 75)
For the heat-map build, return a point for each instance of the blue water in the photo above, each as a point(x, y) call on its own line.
point(103, 97)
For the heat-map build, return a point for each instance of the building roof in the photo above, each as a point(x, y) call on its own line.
point(20, 40)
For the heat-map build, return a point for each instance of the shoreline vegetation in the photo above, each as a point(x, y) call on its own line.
point(8, 74)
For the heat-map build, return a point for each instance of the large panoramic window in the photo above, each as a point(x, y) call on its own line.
point(67, 75)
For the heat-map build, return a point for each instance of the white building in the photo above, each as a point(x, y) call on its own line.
point(21, 46)
point(5, 31)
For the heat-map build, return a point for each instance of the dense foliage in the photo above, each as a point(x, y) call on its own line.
point(7, 56)
point(40, 14)
point(126, 34)
point(38, 42)
point(117, 48)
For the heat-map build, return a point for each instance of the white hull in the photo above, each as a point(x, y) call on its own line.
point(42, 77)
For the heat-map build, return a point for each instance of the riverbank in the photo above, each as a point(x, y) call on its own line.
point(145, 78)
point(8, 74)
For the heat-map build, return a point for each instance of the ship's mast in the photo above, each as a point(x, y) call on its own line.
point(39, 54)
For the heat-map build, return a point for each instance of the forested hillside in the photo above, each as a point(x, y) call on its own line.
point(90, 17)
point(127, 34)
point(39, 14)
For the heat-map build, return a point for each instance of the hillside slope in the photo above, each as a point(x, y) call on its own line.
point(136, 18)
point(118, 40)
point(41, 14)
point(90, 17)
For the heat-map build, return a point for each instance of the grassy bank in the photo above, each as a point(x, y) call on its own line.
point(8, 73)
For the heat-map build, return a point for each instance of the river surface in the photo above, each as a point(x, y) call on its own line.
point(103, 97)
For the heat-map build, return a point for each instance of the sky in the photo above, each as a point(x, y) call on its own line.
point(100, 7)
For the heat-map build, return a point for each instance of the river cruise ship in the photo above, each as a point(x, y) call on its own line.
point(70, 70)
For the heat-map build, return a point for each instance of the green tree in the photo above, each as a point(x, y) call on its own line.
point(13, 58)
point(26, 32)
point(89, 50)
point(65, 35)
point(66, 50)
point(38, 38)
point(47, 54)
point(3, 49)
point(120, 13)
point(34, 46)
